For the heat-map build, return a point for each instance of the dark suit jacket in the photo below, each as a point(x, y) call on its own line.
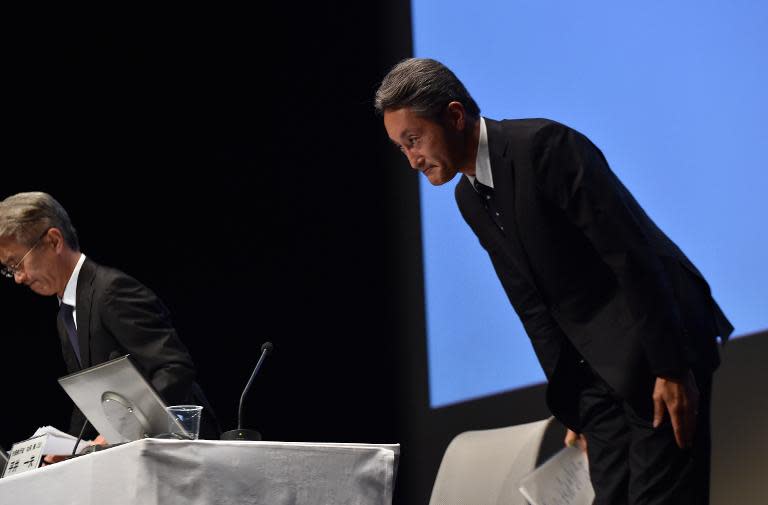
point(586, 269)
point(117, 315)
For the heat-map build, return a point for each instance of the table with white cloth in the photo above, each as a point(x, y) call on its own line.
point(155, 472)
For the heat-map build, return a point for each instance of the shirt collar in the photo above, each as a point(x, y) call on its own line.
point(483, 161)
point(70, 291)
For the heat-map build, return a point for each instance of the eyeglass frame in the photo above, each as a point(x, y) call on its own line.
point(11, 271)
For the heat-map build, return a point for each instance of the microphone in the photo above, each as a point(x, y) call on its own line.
point(240, 433)
point(3, 460)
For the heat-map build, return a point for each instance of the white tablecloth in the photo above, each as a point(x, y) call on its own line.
point(164, 472)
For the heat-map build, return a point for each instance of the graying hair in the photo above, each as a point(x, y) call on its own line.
point(424, 85)
point(25, 216)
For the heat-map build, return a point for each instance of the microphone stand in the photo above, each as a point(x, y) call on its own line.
point(242, 433)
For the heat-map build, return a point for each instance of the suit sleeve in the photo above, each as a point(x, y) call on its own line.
point(141, 324)
point(546, 335)
point(573, 175)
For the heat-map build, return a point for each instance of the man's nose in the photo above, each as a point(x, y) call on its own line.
point(19, 276)
point(414, 159)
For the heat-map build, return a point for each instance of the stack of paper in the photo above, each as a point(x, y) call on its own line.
point(58, 442)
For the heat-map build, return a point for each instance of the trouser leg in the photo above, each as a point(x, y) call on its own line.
point(608, 435)
point(632, 463)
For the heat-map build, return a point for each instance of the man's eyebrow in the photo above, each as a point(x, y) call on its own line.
point(403, 135)
point(408, 132)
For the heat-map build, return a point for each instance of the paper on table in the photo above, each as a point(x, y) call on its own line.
point(561, 480)
point(58, 442)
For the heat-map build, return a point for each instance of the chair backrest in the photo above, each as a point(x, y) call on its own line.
point(484, 467)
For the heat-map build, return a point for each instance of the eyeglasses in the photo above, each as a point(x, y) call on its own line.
point(11, 271)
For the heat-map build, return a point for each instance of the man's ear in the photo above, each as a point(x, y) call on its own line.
point(56, 239)
point(456, 116)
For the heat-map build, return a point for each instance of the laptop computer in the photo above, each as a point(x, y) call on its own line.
point(119, 402)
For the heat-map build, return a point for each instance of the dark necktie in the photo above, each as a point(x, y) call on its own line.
point(65, 313)
point(487, 196)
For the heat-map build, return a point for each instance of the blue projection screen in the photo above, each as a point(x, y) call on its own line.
point(674, 93)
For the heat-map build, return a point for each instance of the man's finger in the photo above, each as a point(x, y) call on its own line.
point(679, 426)
point(658, 411)
point(570, 438)
point(54, 458)
point(581, 442)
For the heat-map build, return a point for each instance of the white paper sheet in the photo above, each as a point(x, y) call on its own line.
point(58, 441)
point(561, 480)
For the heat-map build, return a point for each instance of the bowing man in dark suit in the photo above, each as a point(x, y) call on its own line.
point(103, 313)
point(623, 324)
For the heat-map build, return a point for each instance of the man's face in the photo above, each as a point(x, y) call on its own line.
point(37, 270)
point(432, 148)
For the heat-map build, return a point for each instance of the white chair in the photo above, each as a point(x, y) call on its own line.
point(484, 467)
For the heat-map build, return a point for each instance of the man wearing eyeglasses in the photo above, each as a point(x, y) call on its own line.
point(103, 313)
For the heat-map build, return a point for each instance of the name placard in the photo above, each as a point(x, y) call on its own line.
point(25, 455)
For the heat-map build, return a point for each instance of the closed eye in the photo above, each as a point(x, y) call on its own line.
point(397, 146)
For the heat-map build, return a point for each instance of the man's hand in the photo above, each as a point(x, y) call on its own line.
point(679, 397)
point(576, 439)
point(50, 459)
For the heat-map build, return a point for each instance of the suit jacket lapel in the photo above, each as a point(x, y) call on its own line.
point(84, 301)
point(503, 170)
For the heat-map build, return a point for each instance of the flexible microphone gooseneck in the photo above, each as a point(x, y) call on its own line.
point(240, 433)
point(79, 438)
